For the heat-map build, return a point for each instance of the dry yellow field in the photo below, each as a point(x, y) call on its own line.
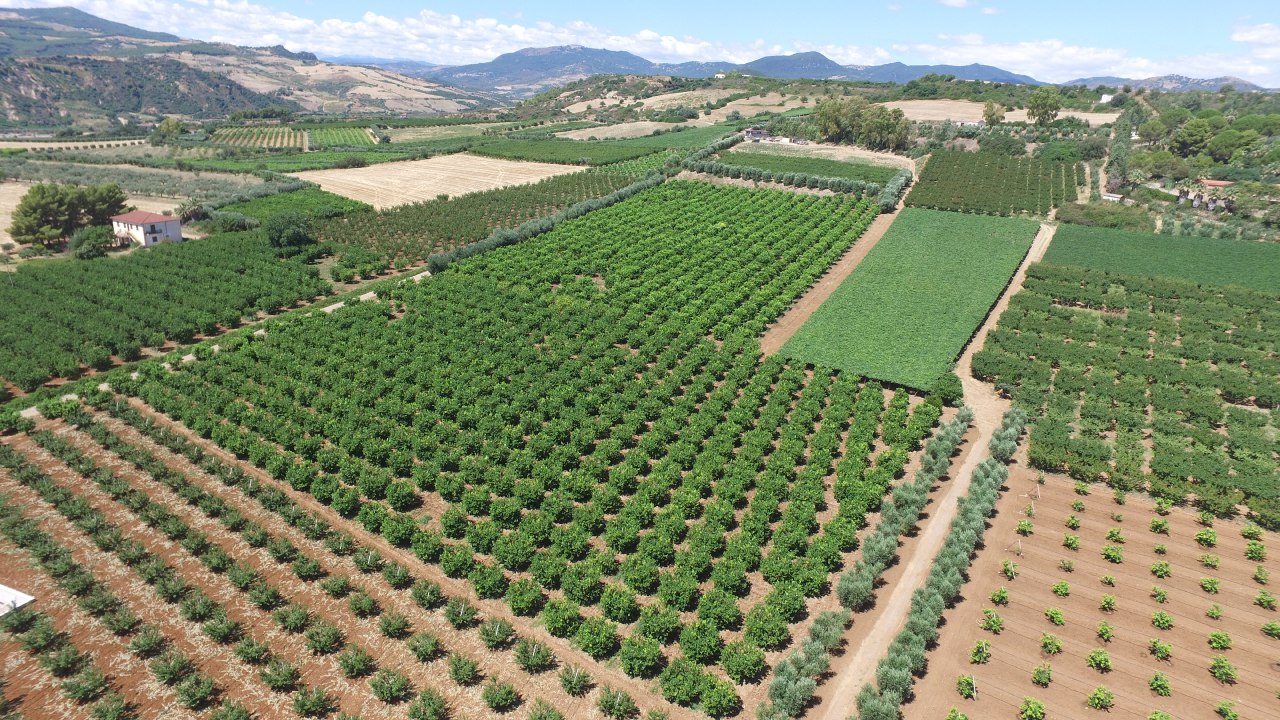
point(11, 193)
point(970, 111)
point(67, 144)
point(400, 183)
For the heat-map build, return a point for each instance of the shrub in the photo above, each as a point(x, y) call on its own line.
point(293, 618)
point(496, 633)
point(1070, 542)
point(1260, 575)
point(1159, 525)
point(719, 699)
point(1210, 561)
point(640, 656)
point(1101, 699)
point(966, 686)
point(196, 690)
point(1161, 569)
point(1159, 649)
point(1265, 600)
point(1050, 644)
point(682, 682)
point(1206, 538)
point(575, 681)
point(541, 710)
point(524, 597)
point(313, 702)
point(981, 653)
point(1162, 620)
point(1159, 594)
point(598, 638)
point(743, 662)
point(1031, 709)
point(1099, 660)
point(1227, 710)
point(424, 646)
point(86, 685)
point(1072, 522)
point(561, 618)
point(1271, 630)
point(429, 705)
point(1000, 596)
point(355, 663)
point(765, 628)
point(463, 670)
point(1108, 580)
point(1009, 569)
point(1105, 632)
point(280, 675)
point(1113, 554)
point(1255, 551)
point(500, 697)
point(1222, 670)
point(323, 638)
point(1054, 615)
point(460, 613)
point(1025, 527)
point(1161, 549)
point(1042, 675)
point(533, 656)
point(1108, 603)
point(991, 621)
point(362, 605)
point(1210, 585)
point(1061, 589)
point(1213, 613)
point(663, 624)
point(616, 704)
point(252, 651)
point(700, 642)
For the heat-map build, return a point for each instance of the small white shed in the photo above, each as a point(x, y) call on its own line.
point(147, 228)
point(11, 599)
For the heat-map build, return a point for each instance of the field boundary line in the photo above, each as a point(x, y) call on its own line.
point(988, 410)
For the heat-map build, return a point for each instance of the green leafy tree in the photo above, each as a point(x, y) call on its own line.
point(992, 113)
point(1044, 104)
point(288, 230)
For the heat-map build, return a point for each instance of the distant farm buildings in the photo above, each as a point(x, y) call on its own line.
point(755, 134)
point(146, 228)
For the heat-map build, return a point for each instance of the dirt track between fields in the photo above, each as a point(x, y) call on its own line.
point(857, 668)
point(781, 330)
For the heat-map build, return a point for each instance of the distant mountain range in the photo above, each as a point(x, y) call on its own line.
point(531, 70)
point(62, 66)
point(1170, 83)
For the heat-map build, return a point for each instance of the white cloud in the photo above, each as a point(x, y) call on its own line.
point(1263, 39)
point(893, 8)
point(1057, 61)
point(990, 11)
point(955, 3)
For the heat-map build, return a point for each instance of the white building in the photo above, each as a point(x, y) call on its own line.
point(147, 228)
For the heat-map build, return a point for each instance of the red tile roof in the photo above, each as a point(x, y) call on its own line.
point(142, 217)
point(1216, 183)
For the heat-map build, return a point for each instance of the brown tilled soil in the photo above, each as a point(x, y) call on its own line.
point(1006, 679)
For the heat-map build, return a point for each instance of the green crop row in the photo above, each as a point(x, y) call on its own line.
point(992, 183)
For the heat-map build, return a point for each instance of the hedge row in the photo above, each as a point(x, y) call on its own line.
point(896, 673)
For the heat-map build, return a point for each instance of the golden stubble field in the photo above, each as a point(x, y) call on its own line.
point(969, 111)
point(391, 184)
point(11, 194)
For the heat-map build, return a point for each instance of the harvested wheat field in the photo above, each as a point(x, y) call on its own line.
point(969, 111)
point(1138, 622)
point(827, 152)
point(391, 184)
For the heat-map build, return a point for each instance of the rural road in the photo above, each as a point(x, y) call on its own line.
point(988, 409)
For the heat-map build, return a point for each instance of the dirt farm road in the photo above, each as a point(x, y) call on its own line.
point(892, 613)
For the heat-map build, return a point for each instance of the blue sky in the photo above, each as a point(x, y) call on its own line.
point(1050, 41)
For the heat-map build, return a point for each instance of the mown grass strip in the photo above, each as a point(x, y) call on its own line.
point(911, 305)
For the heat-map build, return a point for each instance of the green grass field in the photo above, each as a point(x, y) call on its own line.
point(908, 309)
point(310, 201)
point(297, 162)
point(822, 167)
point(1254, 265)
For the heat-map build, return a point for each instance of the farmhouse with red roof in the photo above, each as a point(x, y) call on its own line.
point(147, 228)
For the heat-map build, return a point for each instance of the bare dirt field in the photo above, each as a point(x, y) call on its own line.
point(11, 193)
point(969, 111)
point(1005, 679)
point(773, 102)
point(440, 132)
point(391, 184)
point(621, 131)
point(829, 152)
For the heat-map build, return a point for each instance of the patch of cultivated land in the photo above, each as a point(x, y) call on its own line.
point(391, 184)
point(846, 153)
point(621, 131)
point(11, 194)
point(440, 132)
point(970, 111)
point(914, 302)
point(1005, 680)
point(69, 144)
